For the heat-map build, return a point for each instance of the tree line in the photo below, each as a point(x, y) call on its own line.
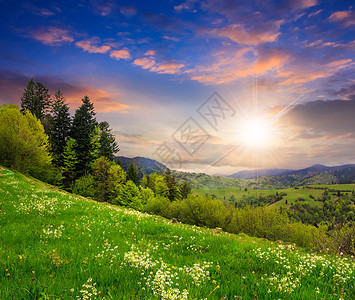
point(75, 152)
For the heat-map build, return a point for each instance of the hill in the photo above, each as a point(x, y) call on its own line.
point(249, 174)
point(205, 181)
point(56, 245)
point(317, 174)
point(145, 166)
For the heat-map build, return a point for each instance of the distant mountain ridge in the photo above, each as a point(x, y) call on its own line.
point(262, 179)
point(249, 174)
point(145, 166)
point(316, 174)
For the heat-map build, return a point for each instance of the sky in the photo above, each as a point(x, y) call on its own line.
point(213, 86)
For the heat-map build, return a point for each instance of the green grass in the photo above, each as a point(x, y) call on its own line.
point(55, 245)
point(292, 193)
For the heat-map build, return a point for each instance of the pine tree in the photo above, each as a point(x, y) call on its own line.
point(132, 174)
point(83, 131)
point(70, 161)
point(60, 126)
point(108, 145)
point(173, 190)
point(185, 189)
point(36, 99)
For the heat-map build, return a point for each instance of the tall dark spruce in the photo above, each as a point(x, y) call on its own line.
point(36, 99)
point(60, 125)
point(108, 145)
point(84, 132)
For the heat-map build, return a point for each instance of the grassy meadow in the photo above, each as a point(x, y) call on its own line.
point(308, 193)
point(55, 245)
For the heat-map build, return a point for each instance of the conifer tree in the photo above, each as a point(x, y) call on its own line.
point(60, 125)
point(173, 190)
point(84, 132)
point(132, 174)
point(70, 161)
point(108, 145)
point(185, 189)
point(36, 99)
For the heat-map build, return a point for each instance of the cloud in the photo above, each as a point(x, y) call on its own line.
point(12, 86)
point(120, 54)
point(331, 119)
point(150, 53)
point(91, 45)
point(128, 11)
point(231, 65)
point(345, 17)
point(104, 7)
point(270, 59)
point(305, 71)
point(145, 62)
point(236, 32)
point(166, 67)
point(315, 13)
point(52, 36)
point(171, 38)
point(187, 5)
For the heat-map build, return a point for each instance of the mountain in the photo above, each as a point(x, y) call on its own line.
point(205, 181)
point(248, 174)
point(317, 174)
point(145, 166)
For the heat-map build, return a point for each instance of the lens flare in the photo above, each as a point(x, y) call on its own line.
point(256, 132)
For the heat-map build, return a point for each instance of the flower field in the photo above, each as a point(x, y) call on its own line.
point(55, 245)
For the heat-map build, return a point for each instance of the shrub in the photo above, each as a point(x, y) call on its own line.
point(85, 186)
point(129, 195)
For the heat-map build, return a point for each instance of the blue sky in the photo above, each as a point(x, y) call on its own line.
point(148, 67)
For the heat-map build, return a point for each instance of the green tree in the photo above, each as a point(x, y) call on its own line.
point(84, 132)
point(108, 178)
point(70, 161)
point(24, 145)
point(85, 186)
point(60, 125)
point(185, 189)
point(129, 195)
point(132, 174)
point(173, 189)
point(108, 145)
point(36, 99)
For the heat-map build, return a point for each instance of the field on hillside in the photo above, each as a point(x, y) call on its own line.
point(55, 245)
point(292, 194)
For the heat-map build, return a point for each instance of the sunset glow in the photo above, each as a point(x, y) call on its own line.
point(149, 66)
point(256, 132)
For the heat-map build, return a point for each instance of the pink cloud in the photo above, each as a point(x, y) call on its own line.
point(120, 54)
point(52, 36)
point(231, 66)
point(346, 17)
point(255, 36)
point(144, 63)
point(103, 100)
point(167, 67)
point(300, 73)
point(271, 60)
point(150, 53)
point(303, 4)
point(91, 46)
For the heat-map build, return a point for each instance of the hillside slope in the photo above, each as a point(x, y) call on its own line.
point(55, 245)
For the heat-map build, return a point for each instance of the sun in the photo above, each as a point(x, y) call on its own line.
point(256, 132)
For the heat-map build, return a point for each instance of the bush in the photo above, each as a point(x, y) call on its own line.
point(129, 195)
point(85, 186)
point(157, 205)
